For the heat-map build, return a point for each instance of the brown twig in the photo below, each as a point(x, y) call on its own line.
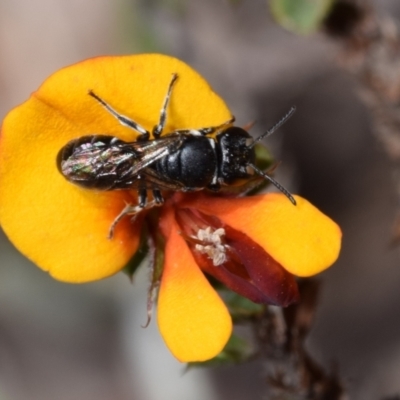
point(371, 52)
point(291, 373)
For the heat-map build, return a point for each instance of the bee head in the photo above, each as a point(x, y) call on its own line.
point(237, 155)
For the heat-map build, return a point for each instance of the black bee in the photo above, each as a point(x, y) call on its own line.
point(182, 160)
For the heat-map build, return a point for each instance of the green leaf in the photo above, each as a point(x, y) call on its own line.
point(137, 259)
point(264, 157)
point(240, 307)
point(300, 16)
point(236, 351)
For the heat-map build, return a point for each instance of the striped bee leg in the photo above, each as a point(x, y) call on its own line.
point(134, 210)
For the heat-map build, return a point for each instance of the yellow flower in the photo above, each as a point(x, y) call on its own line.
point(252, 244)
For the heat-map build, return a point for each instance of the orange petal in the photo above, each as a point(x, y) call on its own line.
point(192, 318)
point(59, 226)
point(301, 238)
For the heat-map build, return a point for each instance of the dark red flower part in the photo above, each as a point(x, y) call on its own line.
point(236, 260)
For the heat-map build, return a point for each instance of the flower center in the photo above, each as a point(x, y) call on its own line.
point(212, 244)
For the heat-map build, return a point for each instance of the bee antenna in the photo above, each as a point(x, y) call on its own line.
point(275, 127)
point(274, 182)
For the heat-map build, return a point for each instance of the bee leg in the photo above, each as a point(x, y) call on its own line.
point(211, 129)
point(206, 131)
point(134, 210)
point(129, 209)
point(157, 130)
point(122, 119)
point(142, 193)
point(158, 198)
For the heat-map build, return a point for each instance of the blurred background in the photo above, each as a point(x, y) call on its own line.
point(64, 342)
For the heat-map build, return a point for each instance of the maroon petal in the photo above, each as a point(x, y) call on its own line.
point(267, 275)
point(248, 269)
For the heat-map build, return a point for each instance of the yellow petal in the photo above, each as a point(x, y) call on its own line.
point(192, 318)
point(301, 238)
point(61, 227)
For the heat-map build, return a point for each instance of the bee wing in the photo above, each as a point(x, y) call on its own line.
point(150, 151)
